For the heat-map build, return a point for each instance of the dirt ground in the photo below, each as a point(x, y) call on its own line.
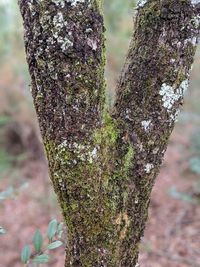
point(172, 236)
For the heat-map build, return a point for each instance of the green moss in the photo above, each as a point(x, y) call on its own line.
point(89, 191)
point(86, 191)
point(181, 76)
point(128, 159)
point(39, 96)
point(109, 132)
point(99, 4)
point(149, 14)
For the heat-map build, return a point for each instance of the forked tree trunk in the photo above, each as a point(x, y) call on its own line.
point(103, 163)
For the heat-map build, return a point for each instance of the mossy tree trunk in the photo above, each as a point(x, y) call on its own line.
point(103, 163)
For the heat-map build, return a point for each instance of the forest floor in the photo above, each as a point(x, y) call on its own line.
point(172, 236)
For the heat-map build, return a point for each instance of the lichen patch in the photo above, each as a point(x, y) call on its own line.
point(195, 2)
point(92, 44)
point(141, 3)
point(146, 124)
point(148, 167)
point(170, 94)
point(81, 152)
point(60, 3)
point(174, 117)
point(75, 2)
point(192, 41)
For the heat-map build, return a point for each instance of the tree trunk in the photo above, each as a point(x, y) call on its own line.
point(103, 163)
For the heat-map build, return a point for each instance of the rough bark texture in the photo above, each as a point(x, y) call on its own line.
point(103, 164)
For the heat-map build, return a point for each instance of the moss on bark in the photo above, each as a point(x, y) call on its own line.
point(103, 164)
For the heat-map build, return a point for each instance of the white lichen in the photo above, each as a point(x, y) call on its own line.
point(155, 150)
point(136, 200)
point(179, 44)
point(196, 21)
point(141, 3)
point(45, 20)
point(163, 36)
point(92, 44)
point(140, 146)
point(31, 7)
point(192, 41)
point(174, 117)
point(127, 116)
point(82, 152)
point(94, 152)
point(60, 3)
point(50, 40)
point(172, 60)
point(55, 35)
point(148, 167)
point(195, 2)
point(75, 2)
point(88, 30)
point(146, 124)
point(65, 43)
point(170, 94)
point(59, 23)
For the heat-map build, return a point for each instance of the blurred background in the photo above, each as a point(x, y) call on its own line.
point(27, 202)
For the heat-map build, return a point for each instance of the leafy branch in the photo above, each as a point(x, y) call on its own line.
point(40, 254)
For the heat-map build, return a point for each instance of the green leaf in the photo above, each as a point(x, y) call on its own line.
point(60, 229)
point(37, 241)
point(195, 165)
point(60, 226)
point(25, 254)
point(2, 231)
point(55, 244)
point(8, 193)
point(41, 259)
point(181, 196)
point(52, 229)
point(5, 161)
point(4, 120)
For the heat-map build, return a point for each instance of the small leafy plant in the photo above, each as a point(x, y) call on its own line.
point(40, 252)
point(2, 230)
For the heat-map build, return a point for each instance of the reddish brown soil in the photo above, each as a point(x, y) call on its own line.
point(172, 236)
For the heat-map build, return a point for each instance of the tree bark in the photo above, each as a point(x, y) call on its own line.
point(103, 163)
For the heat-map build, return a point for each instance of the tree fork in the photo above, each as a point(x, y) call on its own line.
point(103, 163)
